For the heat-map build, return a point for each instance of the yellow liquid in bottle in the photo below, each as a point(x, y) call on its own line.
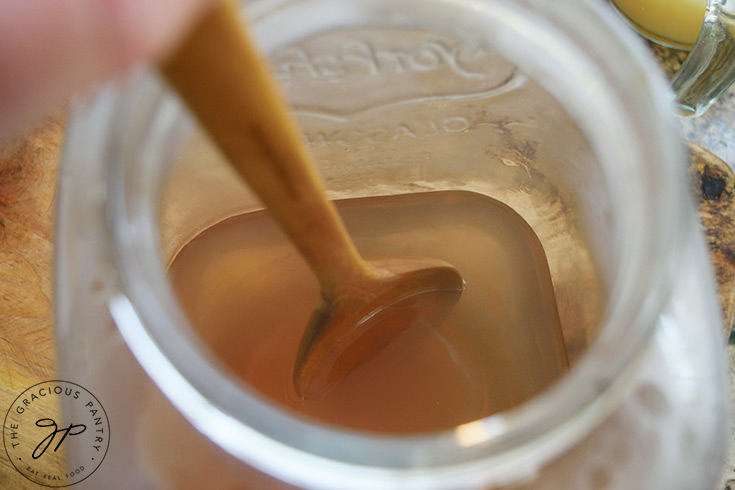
point(671, 22)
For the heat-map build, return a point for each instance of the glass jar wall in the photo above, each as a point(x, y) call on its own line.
point(552, 110)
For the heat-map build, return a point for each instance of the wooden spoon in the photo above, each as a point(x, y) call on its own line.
point(219, 73)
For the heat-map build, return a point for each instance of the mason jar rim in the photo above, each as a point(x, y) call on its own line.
point(632, 108)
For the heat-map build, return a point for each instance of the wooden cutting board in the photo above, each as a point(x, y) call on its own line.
point(713, 185)
point(28, 171)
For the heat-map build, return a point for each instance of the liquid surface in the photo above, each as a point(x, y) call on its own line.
point(674, 22)
point(250, 295)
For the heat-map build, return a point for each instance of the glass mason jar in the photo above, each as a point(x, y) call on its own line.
point(551, 108)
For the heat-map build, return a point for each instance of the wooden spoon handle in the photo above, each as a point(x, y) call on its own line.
point(219, 73)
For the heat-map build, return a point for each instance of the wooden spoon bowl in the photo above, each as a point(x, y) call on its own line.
point(366, 316)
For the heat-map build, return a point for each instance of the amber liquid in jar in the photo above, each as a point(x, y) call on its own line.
point(249, 295)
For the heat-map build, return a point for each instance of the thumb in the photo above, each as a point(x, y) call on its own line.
point(51, 48)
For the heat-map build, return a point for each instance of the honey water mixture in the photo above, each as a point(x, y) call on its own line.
point(249, 295)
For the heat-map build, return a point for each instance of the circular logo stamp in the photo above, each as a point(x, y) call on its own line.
point(52, 449)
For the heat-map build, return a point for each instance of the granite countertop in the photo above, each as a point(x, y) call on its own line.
point(714, 131)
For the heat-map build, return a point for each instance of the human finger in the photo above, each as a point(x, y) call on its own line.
point(51, 48)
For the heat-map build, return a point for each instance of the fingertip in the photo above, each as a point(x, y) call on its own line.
point(52, 49)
